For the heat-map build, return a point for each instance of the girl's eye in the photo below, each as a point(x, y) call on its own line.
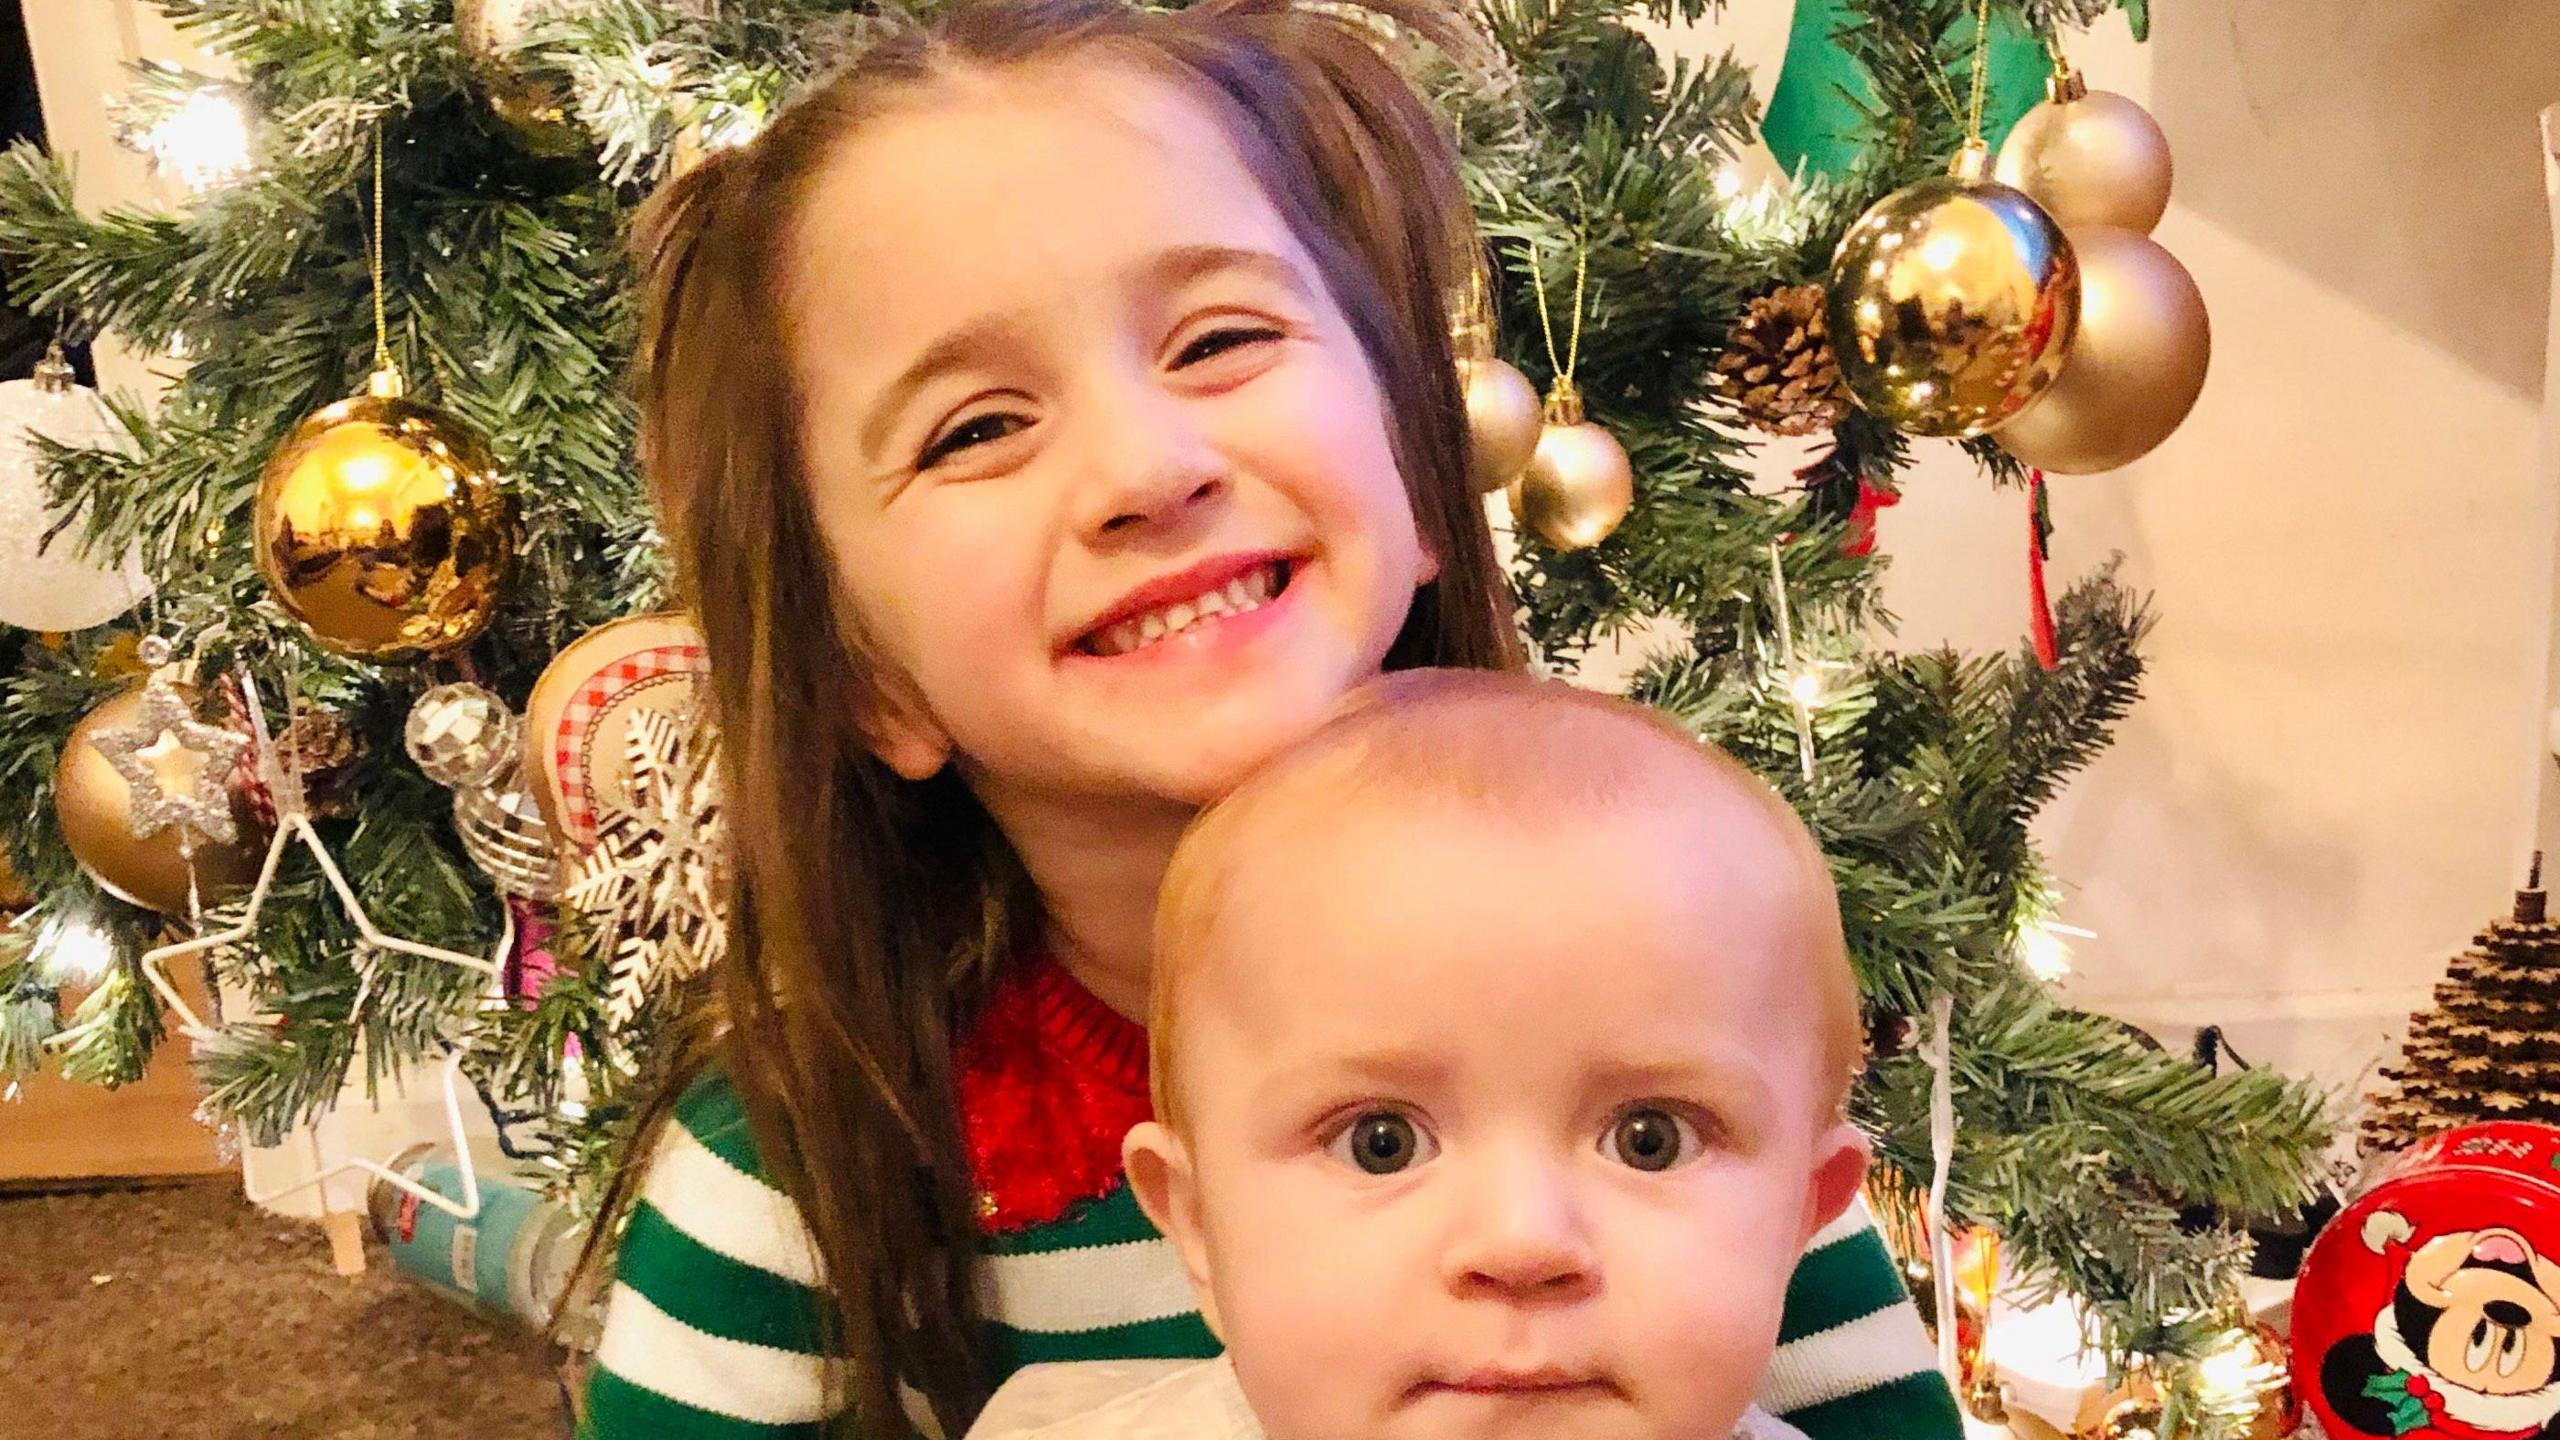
point(1382, 1142)
point(1218, 342)
point(978, 430)
point(1650, 1138)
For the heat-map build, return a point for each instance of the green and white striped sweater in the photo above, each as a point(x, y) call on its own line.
point(710, 1330)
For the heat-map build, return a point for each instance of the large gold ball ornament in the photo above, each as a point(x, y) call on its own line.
point(1504, 419)
point(2135, 368)
point(2089, 157)
point(532, 110)
point(1952, 303)
point(95, 807)
point(382, 527)
point(1579, 483)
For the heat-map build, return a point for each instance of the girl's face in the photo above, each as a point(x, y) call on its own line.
point(1105, 472)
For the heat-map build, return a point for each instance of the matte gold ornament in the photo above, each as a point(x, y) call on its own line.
point(1503, 419)
point(532, 110)
point(1503, 413)
point(1579, 484)
point(2089, 157)
point(2135, 367)
point(95, 805)
point(382, 527)
point(1952, 303)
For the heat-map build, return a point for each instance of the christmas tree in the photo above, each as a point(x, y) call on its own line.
point(486, 172)
point(2485, 1050)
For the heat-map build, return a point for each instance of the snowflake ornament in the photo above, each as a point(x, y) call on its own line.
point(653, 879)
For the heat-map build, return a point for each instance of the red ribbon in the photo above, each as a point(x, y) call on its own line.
point(2039, 609)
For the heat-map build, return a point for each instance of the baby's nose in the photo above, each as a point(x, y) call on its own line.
point(1525, 1235)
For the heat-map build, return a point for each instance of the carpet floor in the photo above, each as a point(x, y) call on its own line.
point(184, 1311)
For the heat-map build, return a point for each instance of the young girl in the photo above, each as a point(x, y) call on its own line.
point(1054, 415)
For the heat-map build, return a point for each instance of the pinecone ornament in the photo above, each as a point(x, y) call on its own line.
point(1778, 369)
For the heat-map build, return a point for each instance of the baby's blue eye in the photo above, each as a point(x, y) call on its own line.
point(1382, 1142)
point(1651, 1138)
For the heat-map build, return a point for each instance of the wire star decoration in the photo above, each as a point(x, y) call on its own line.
point(205, 807)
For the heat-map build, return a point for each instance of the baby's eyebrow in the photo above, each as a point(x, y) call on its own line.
point(1166, 269)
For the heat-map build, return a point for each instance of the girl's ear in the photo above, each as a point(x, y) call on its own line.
point(1161, 1177)
point(1839, 1168)
point(906, 738)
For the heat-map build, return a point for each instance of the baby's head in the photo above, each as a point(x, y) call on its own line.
point(1501, 1041)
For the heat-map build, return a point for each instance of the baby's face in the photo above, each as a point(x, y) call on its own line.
point(1507, 1131)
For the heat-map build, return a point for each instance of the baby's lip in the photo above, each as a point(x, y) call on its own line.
point(1512, 1379)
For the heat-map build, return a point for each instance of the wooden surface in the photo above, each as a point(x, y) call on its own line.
point(56, 1130)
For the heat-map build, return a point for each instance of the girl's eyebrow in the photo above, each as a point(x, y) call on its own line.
point(1169, 268)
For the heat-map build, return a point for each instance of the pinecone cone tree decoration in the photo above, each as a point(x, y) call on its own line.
point(1778, 370)
point(2489, 1048)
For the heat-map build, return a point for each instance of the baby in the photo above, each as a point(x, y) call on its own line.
point(1544, 1175)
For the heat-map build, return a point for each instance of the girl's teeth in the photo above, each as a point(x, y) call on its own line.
point(1236, 597)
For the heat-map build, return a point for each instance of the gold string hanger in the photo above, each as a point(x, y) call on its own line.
point(1563, 396)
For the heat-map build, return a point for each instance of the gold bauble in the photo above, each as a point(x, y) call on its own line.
point(382, 527)
point(95, 807)
point(2135, 368)
point(1579, 484)
point(1952, 304)
point(1503, 420)
point(2135, 1417)
point(2089, 157)
point(532, 110)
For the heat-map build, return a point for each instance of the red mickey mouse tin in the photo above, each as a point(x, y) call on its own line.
point(2431, 1306)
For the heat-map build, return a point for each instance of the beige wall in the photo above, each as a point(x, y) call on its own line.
point(2334, 776)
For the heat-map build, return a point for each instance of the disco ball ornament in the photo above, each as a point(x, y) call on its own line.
point(383, 528)
point(1952, 303)
point(462, 734)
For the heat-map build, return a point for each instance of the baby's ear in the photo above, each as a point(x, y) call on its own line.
point(1160, 1175)
point(1839, 1167)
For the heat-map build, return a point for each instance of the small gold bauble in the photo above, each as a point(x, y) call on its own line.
point(1952, 302)
point(2135, 1417)
point(95, 807)
point(1503, 420)
point(1579, 484)
point(382, 527)
point(2089, 157)
point(532, 110)
point(2135, 368)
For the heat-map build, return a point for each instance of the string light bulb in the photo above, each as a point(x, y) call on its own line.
point(2045, 953)
point(78, 953)
point(203, 141)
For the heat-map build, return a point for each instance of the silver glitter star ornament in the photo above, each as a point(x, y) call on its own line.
point(204, 806)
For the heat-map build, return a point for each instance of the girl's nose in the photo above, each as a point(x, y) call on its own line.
point(1150, 467)
point(1522, 1235)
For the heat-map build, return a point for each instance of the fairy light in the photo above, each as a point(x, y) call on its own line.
point(204, 141)
point(78, 953)
point(2043, 950)
point(1728, 180)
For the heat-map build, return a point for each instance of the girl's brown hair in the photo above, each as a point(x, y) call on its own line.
point(868, 913)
